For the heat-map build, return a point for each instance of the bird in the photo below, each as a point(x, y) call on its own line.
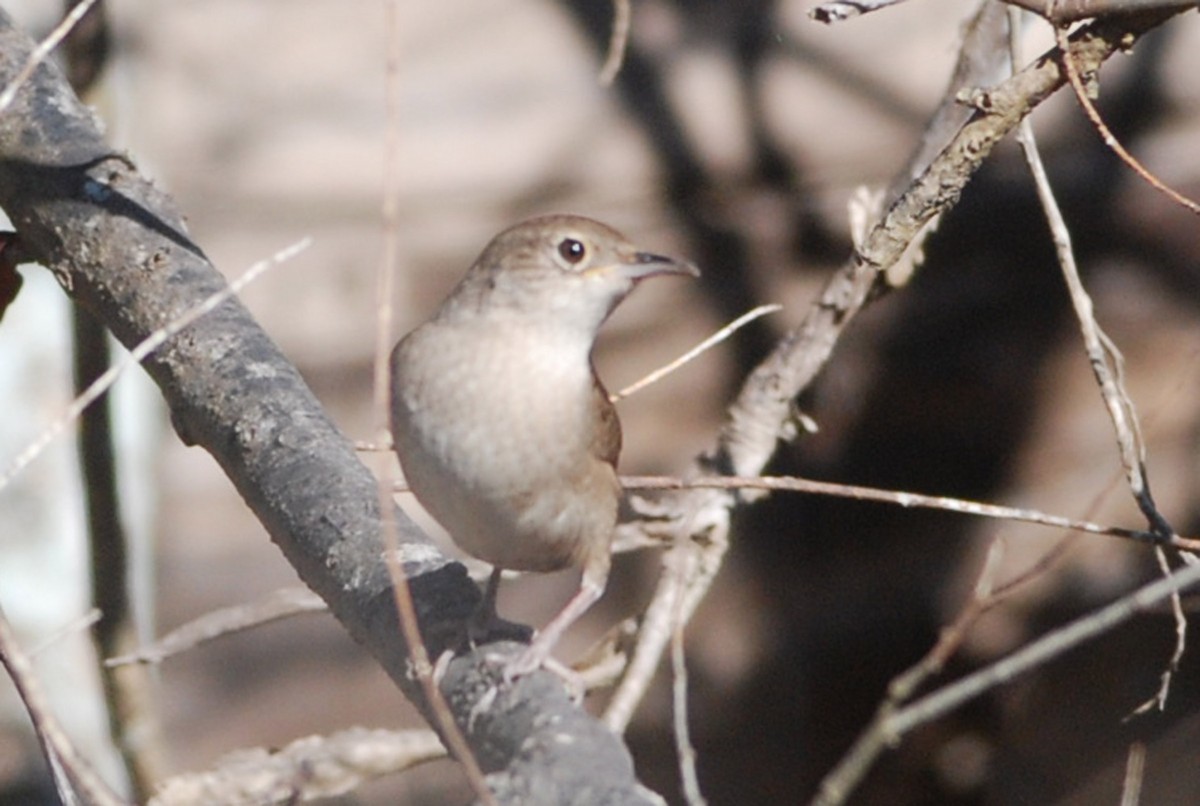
point(504, 432)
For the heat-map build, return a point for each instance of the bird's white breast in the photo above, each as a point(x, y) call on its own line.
point(495, 439)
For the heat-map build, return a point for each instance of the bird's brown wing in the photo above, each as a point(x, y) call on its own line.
point(606, 433)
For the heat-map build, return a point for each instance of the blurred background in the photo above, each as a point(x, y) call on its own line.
point(735, 136)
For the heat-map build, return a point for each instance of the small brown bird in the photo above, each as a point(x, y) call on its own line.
point(504, 432)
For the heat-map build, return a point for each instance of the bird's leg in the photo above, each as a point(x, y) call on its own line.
point(591, 587)
point(486, 625)
point(487, 608)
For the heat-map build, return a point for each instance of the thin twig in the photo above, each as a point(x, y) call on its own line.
point(1105, 359)
point(1050, 646)
point(703, 535)
point(1159, 700)
point(903, 499)
point(984, 598)
point(713, 340)
point(684, 748)
point(76, 626)
point(890, 728)
point(73, 776)
point(1135, 768)
point(618, 42)
point(129, 694)
point(135, 356)
point(1101, 351)
point(844, 777)
point(1110, 139)
point(401, 590)
point(226, 621)
point(42, 51)
point(303, 770)
point(987, 595)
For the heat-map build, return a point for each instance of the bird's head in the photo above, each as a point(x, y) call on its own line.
point(569, 269)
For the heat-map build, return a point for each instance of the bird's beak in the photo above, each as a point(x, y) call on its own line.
point(645, 264)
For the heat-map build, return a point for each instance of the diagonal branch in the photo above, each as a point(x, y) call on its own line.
point(763, 408)
point(74, 777)
point(892, 725)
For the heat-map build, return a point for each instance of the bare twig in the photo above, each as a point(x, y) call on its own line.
point(713, 340)
point(896, 497)
point(684, 748)
point(74, 778)
point(128, 693)
point(1050, 646)
point(1106, 360)
point(841, 781)
point(692, 566)
point(618, 42)
point(1159, 700)
point(401, 590)
point(1081, 94)
point(763, 408)
point(42, 51)
point(1100, 351)
point(74, 627)
point(982, 61)
point(987, 595)
point(1135, 768)
point(901, 499)
point(139, 352)
point(890, 728)
point(225, 621)
point(306, 769)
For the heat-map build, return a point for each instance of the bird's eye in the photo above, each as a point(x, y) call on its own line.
point(571, 250)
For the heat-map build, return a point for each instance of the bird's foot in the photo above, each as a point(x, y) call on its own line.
point(537, 656)
point(532, 658)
